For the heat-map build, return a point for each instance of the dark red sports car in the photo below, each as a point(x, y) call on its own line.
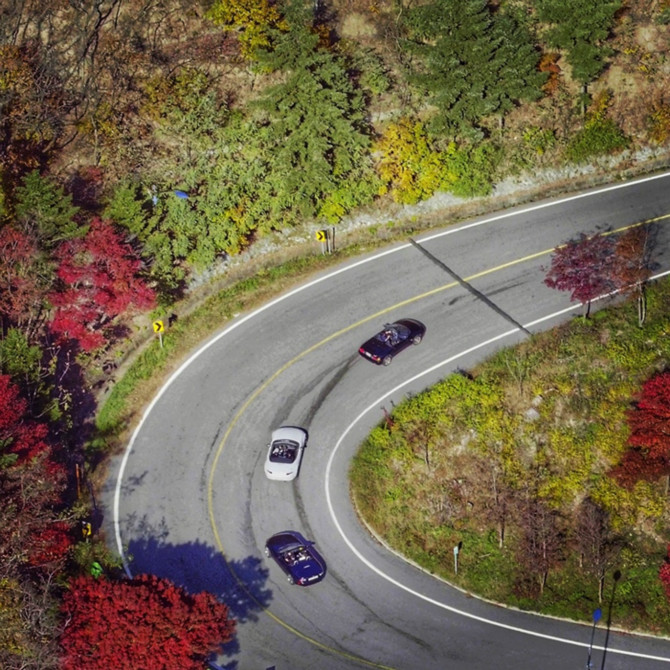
point(395, 337)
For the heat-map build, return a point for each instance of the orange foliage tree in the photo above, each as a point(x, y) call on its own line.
point(633, 266)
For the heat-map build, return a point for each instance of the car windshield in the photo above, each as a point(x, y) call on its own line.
point(284, 451)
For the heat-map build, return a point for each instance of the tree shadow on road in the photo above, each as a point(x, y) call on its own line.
point(195, 566)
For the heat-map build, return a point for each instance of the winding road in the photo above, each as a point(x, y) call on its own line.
point(188, 499)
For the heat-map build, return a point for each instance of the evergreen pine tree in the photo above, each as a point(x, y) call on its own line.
point(44, 209)
point(581, 29)
point(472, 63)
point(312, 135)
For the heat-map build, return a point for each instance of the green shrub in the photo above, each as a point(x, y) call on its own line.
point(602, 136)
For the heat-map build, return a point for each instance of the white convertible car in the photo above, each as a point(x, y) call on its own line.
point(285, 453)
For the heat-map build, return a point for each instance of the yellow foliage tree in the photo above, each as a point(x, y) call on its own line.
point(252, 19)
point(409, 166)
point(599, 107)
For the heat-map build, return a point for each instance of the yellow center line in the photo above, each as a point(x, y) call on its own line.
point(314, 347)
point(531, 257)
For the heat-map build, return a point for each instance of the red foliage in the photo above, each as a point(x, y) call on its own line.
point(636, 465)
point(664, 574)
point(26, 439)
point(20, 289)
point(649, 455)
point(650, 420)
point(76, 317)
point(51, 544)
point(584, 266)
point(99, 273)
point(32, 485)
point(131, 624)
point(12, 406)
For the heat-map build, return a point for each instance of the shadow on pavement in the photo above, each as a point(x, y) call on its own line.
point(616, 578)
point(195, 566)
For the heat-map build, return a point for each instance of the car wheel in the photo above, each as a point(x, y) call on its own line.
point(417, 339)
point(387, 360)
point(290, 580)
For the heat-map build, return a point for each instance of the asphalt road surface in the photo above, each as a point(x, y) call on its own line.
point(189, 500)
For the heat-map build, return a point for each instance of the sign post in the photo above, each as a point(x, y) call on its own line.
point(457, 548)
point(159, 328)
point(322, 236)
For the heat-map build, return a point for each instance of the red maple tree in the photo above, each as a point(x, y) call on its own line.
point(21, 289)
point(99, 276)
point(131, 624)
point(24, 438)
point(636, 465)
point(585, 267)
point(32, 485)
point(51, 544)
point(649, 422)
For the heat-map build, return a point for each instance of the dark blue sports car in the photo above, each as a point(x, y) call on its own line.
point(395, 337)
point(297, 557)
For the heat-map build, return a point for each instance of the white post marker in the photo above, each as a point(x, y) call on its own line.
point(456, 550)
point(322, 236)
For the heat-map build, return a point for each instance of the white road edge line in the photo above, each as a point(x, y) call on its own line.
point(374, 406)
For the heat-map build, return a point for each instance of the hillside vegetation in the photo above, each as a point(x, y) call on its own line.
point(142, 143)
point(540, 464)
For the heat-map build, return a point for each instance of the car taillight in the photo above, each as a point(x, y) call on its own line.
point(302, 581)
